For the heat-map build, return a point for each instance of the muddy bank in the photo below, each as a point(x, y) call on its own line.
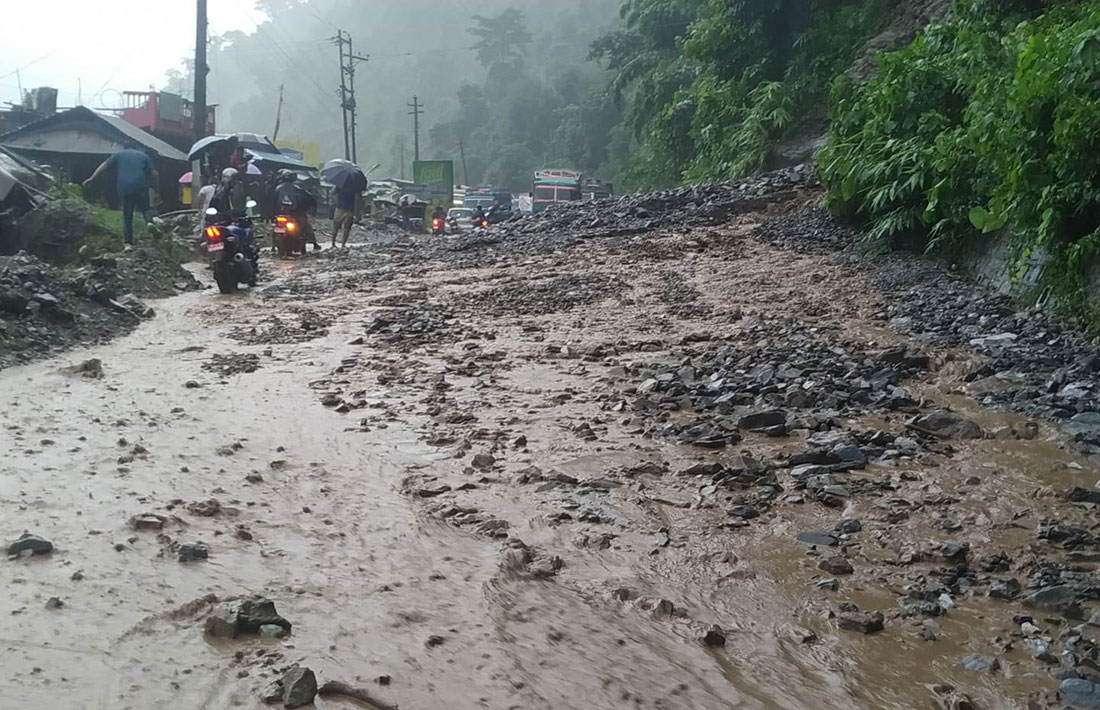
point(47, 309)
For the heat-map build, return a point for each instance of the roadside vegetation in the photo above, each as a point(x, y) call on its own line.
point(988, 123)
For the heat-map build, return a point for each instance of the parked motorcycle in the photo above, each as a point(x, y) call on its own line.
point(288, 236)
point(231, 246)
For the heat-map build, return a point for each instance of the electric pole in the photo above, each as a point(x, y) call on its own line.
point(198, 107)
point(462, 151)
point(348, 61)
point(417, 109)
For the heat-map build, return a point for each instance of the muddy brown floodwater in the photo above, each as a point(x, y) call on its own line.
point(433, 471)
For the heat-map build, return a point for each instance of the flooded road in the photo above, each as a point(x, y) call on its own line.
point(442, 476)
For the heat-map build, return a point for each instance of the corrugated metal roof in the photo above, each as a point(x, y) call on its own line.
point(81, 130)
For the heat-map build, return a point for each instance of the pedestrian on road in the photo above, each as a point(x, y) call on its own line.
point(135, 175)
point(348, 206)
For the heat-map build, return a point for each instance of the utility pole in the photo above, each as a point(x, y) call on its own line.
point(417, 109)
point(462, 151)
point(348, 61)
point(198, 107)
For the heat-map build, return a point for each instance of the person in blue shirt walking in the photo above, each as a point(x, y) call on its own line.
point(135, 174)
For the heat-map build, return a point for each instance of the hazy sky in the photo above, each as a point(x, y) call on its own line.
point(109, 44)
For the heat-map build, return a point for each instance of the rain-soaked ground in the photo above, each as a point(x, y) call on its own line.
point(459, 484)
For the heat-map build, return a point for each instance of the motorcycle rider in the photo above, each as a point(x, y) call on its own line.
point(479, 216)
point(439, 214)
point(229, 198)
point(497, 212)
point(291, 200)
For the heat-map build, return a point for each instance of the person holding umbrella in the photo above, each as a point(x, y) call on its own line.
point(350, 182)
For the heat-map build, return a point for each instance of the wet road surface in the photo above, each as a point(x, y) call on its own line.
point(465, 507)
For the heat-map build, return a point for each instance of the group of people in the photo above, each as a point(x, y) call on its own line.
point(136, 176)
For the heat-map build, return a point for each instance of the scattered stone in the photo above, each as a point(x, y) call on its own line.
point(1080, 693)
point(148, 521)
point(835, 565)
point(483, 460)
point(222, 621)
point(715, 637)
point(27, 545)
point(818, 539)
point(299, 687)
point(948, 426)
point(980, 664)
point(848, 526)
point(54, 603)
point(1053, 599)
point(1005, 588)
point(434, 641)
point(862, 622)
point(193, 551)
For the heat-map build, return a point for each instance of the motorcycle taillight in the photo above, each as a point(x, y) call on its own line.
point(214, 234)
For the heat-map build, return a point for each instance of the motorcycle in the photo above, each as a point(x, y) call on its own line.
point(288, 236)
point(439, 225)
point(231, 246)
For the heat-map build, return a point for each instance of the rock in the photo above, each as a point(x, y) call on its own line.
point(848, 526)
point(194, 551)
point(433, 491)
point(148, 521)
point(1083, 425)
point(862, 622)
point(54, 603)
point(1053, 599)
point(954, 551)
point(1040, 650)
point(222, 622)
point(948, 426)
point(1077, 494)
point(1080, 693)
point(1005, 588)
point(27, 545)
point(763, 420)
point(434, 640)
point(483, 461)
point(272, 631)
point(835, 565)
point(818, 539)
point(715, 637)
point(205, 508)
point(980, 664)
point(299, 687)
point(255, 613)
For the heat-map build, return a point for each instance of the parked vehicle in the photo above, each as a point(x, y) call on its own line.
point(460, 219)
point(289, 237)
point(553, 187)
point(231, 247)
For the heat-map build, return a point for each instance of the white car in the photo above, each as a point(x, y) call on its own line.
point(459, 219)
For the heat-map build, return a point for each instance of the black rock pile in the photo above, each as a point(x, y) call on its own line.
point(296, 324)
point(1033, 365)
point(45, 310)
point(554, 295)
point(411, 323)
point(789, 378)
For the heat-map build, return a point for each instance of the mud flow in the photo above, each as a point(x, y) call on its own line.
point(680, 467)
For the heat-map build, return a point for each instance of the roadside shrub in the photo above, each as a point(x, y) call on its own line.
point(989, 120)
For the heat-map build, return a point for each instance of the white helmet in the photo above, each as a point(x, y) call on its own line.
point(229, 174)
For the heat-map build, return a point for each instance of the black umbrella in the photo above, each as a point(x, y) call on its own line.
point(204, 145)
point(345, 175)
